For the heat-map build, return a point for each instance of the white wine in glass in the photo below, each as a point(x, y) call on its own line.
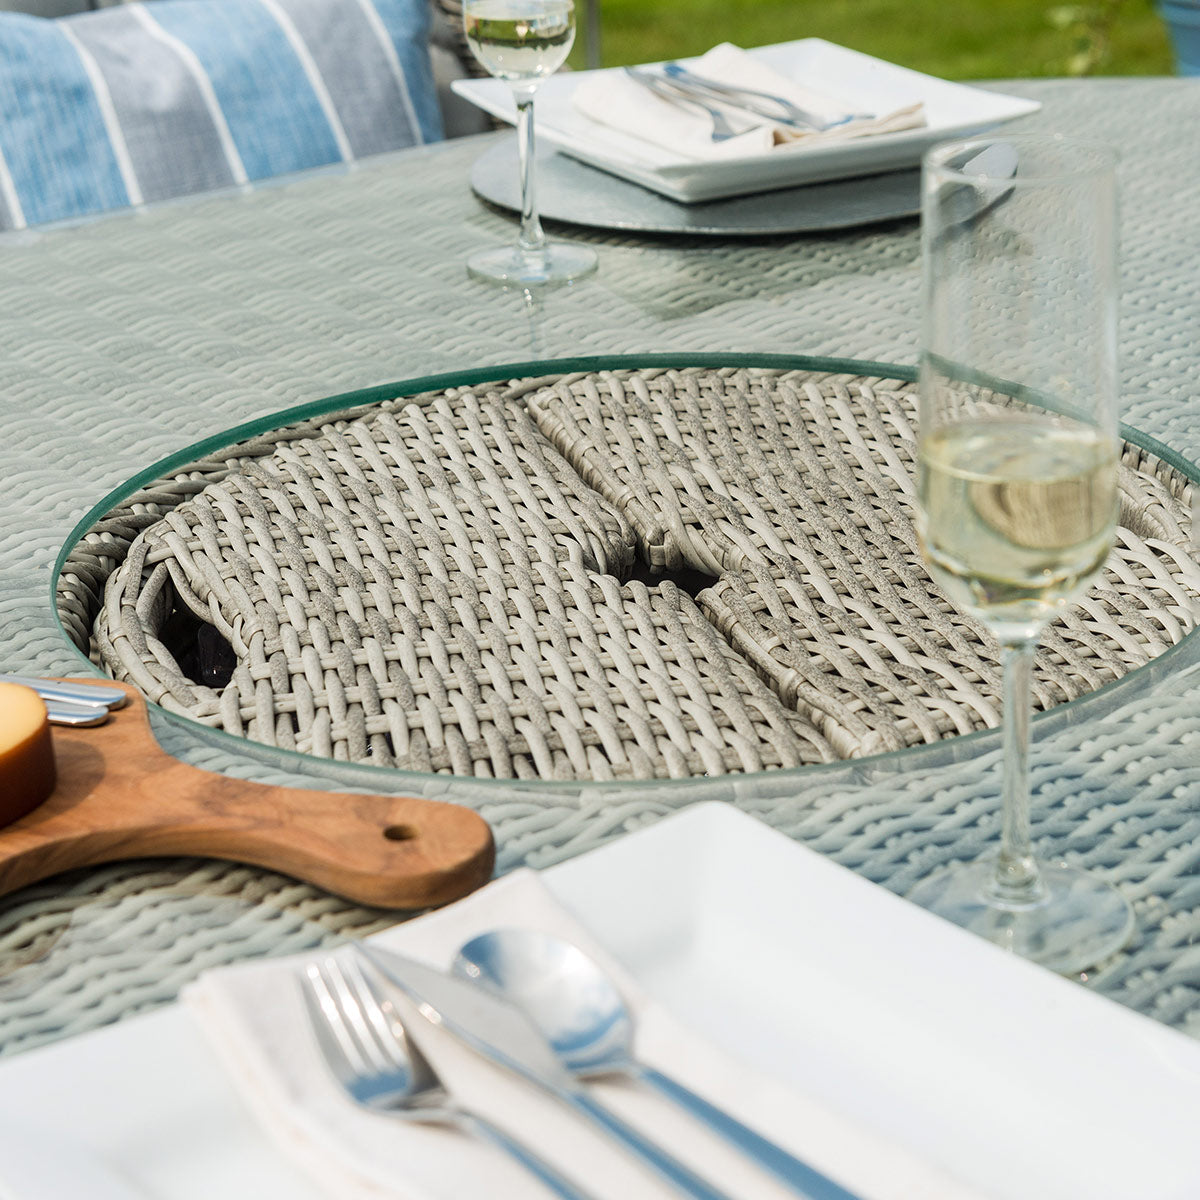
point(1018, 450)
point(1018, 514)
point(516, 43)
point(522, 42)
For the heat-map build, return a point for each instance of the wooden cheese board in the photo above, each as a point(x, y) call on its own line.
point(119, 795)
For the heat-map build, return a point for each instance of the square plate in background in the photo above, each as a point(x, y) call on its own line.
point(951, 110)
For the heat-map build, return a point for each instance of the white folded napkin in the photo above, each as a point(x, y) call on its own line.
point(614, 99)
point(257, 1024)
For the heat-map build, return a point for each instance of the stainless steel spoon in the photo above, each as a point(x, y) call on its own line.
point(581, 1014)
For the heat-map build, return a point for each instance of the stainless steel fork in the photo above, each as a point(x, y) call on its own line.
point(722, 130)
point(764, 104)
point(370, 1054)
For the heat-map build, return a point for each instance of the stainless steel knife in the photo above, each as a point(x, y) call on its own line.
point(504, 1035)
point(71, 703)
point(69, 712)
point(97, 695)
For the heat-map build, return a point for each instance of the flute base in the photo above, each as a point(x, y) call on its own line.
point(1078, 921)
point(556, 264)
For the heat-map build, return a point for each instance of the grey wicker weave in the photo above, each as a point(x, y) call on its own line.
point(450, 584)
point(130, 338)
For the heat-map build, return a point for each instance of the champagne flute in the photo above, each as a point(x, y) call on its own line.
point(522, 42)
point(1017, 475)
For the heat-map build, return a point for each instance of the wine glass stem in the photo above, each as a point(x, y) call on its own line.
point(530, 239)
point(1017, 882)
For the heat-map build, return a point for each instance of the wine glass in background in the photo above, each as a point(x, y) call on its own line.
point(1018, 449)
point(522, 42)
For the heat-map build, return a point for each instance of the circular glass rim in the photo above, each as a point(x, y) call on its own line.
point(428, 783)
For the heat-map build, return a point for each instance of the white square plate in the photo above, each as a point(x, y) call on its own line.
point(1014, 1080)
point(951, 110)
point(1019, 1083)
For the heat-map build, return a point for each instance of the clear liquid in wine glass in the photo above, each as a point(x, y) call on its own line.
point(1017, 516)
point(520, 41)
point(523, 42)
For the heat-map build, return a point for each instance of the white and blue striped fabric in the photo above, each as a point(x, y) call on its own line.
point(145, 102)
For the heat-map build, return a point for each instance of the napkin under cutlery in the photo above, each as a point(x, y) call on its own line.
point(614, 99)
point(254, 1017)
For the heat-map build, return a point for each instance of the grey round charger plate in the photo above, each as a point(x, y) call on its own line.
point(571, 191)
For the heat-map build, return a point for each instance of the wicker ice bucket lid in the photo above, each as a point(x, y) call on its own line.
point(636, 573)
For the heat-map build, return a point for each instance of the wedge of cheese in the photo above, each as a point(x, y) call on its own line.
point(27, 774)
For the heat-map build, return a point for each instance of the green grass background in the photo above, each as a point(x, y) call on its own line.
point(954, 39)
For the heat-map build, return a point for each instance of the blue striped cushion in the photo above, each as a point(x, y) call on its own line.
point(145, 102)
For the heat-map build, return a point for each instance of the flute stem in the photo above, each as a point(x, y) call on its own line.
point(1017, 882)
point(530, 239)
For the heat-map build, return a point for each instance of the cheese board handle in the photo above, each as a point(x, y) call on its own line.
point(383, 851)
point(119, 795)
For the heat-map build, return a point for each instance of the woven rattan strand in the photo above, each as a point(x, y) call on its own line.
point(484, 581)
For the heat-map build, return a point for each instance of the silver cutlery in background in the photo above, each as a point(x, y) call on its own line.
point(504, 1035)
point(581, 1014)
point(67, 712)
point(722, 130)
point(751, 100)
point(991, 172)
point(72, 704)
point(85, 693)
point(370, 1054)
